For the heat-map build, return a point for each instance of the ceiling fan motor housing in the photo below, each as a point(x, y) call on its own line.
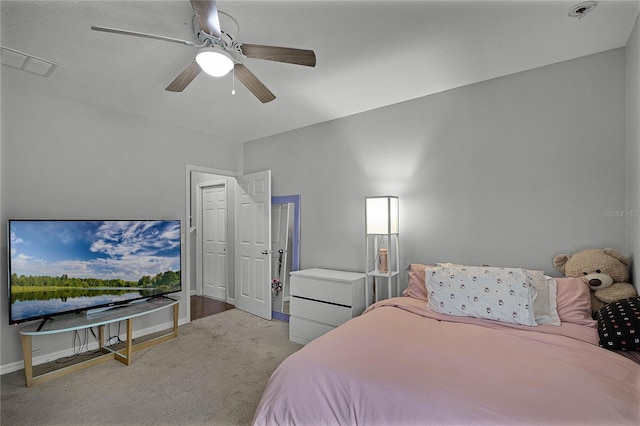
point(208, 39)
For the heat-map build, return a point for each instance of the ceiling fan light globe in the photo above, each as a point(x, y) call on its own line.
point(214, 62)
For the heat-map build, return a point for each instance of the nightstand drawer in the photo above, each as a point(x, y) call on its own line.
point(319, 311)
point(342, 288)
point(303, 330)
point(330, 291)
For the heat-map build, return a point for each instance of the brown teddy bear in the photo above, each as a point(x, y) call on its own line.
point(605, 271)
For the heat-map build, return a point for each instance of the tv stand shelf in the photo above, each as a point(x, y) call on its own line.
point(79, 321)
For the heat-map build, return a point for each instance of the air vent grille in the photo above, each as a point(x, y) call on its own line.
point(25, 62)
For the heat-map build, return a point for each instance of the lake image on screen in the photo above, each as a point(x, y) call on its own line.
point(60, 266)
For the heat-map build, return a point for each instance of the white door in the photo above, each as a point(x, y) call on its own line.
point(253, 231)
point(214, 241)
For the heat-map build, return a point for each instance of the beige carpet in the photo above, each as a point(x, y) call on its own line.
point(213, 373)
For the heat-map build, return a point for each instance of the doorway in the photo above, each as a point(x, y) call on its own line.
point(281, 225)
point(248, 226)
point(199, 179)
point(285, 240)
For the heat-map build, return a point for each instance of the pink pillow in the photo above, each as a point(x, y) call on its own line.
point(573, 301)
point(416, 287)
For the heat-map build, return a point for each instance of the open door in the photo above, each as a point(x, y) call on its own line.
point(253, 231)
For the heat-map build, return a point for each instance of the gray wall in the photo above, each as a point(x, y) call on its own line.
point(633, 146)
point(66, 160)
point(505, 172)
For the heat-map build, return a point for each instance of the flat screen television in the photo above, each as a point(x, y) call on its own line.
point(64, 266)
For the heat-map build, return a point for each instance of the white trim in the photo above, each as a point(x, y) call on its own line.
point(189, 168)
point(203, 169)
point(191, 234)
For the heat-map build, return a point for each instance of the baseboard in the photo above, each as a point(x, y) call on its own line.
point(19, 365)
point(279, 316)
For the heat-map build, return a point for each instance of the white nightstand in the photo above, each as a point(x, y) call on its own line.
point(321, 300)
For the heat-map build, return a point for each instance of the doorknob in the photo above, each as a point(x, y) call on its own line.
point(265, 251)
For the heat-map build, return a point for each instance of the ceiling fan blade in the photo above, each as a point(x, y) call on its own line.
point(186, 76)
point(139, 34)
point(279, 54)
point(207, 14)
point(252, 83)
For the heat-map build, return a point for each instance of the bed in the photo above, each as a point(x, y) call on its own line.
point(401, 362)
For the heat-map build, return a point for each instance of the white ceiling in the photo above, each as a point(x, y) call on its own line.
point(369, 53)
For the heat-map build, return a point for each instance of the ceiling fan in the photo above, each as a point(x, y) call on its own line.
point(219, 46)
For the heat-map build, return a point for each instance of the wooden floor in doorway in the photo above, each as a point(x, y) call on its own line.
point(204, 306)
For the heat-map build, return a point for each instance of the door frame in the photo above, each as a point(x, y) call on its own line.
point(200, 187)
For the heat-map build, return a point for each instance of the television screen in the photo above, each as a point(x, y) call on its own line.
point(62, 266)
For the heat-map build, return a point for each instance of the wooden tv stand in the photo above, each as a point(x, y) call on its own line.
point(73, 322)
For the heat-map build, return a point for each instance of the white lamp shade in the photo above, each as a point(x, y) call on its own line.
point(381, 215)
point(215, 62)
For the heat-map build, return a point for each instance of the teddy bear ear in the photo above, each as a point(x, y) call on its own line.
point(560, 261)
point(616, 255)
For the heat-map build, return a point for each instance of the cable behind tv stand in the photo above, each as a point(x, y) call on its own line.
point(73, 322)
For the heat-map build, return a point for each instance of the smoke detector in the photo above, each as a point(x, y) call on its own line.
point(581, 9)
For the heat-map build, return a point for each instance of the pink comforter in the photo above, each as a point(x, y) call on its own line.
point(400, 364)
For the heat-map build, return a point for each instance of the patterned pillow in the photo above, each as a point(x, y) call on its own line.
point(619, 325)
point(501, 294)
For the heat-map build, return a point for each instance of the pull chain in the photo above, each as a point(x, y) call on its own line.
point(233, 77)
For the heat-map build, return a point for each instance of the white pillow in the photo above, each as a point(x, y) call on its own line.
point(501, 294)
point(545, 306)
